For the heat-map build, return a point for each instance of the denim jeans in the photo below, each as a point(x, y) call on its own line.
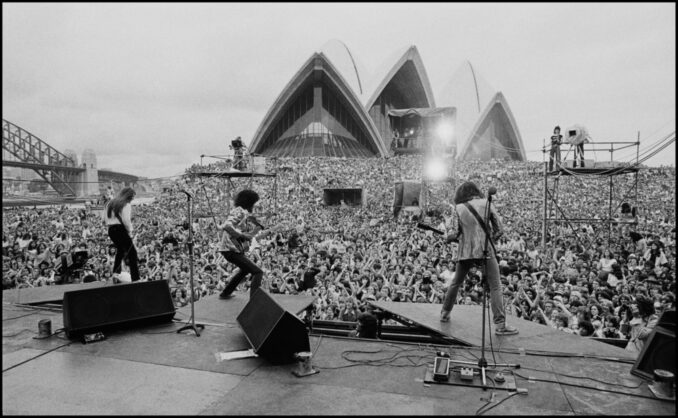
point(579, 154)
point(245, 267)
point(554, 158)
point(492, 277)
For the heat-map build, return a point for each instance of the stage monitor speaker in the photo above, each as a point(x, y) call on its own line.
point(659, 352)
point(668, 320)
point(274, 333)
point(117, 306)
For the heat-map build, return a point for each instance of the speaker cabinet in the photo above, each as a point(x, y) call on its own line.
point(659, 352)
point(668, 320)
point(274, 333)
point(117, 306)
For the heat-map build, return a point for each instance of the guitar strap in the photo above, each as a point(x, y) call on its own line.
point(482, 224)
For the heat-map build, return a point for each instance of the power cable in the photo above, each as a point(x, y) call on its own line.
point(491, 399)
point(60, 330)
point(564, 392)
point(317, 346)
point(512, 394)
point(541, 353)
point(530, 378)
point(17, 333)
point(383, 361)
point(581, 377)
point(647, 137)
point(35, 357)
point(649, 152)
point(17, 317)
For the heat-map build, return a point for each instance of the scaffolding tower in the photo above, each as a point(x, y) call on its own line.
point(563, 174)
point(254, 167)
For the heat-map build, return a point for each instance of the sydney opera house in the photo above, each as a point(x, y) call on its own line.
point(333, 107)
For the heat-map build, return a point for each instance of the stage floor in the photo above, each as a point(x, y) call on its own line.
point(156, 371)
point(465, 325)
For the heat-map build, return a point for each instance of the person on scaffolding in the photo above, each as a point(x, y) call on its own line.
point(556, 141)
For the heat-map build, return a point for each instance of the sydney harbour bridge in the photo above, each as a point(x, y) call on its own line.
point(60, 170)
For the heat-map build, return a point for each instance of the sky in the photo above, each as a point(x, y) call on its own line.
point(152, 86)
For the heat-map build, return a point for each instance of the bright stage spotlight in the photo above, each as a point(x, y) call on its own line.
point(435, 169)
point(445, 131)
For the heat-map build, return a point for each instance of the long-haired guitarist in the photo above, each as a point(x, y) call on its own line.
point(240, 228)
point(470, 203)
point(117, 215)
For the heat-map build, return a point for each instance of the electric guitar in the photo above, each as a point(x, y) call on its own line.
point(427, 227)
point(252, 226)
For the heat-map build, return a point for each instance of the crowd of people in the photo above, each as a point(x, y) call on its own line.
point(587, 277)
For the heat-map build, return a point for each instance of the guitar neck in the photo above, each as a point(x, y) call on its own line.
point(430, 228)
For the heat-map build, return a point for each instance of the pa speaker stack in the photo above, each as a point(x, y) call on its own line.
point(274, 333)
point(117, 306)
point(659, 351)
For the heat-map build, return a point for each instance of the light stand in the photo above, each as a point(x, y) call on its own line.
point(192, 325)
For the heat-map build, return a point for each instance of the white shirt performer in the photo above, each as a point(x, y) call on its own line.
point(118, 216)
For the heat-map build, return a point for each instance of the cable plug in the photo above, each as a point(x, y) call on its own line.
point(521, 391)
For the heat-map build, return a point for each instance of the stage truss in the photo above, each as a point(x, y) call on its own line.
point(554, 213)
point(232, 177)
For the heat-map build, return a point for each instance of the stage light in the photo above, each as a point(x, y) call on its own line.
point(435, 169)
point(445, 132)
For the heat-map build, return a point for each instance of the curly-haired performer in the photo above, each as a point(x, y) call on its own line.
point(471, 236)
point(240, 228)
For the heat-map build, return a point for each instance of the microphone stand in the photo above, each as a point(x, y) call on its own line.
point(192, 325)
point(482, 362)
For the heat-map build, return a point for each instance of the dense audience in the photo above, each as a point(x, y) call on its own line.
point(587, 278)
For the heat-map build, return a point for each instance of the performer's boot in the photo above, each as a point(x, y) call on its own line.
point(223, 294)
point(503, 329)
point(444, 316)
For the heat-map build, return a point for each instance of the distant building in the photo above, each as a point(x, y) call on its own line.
point(333, 107)
point(485, 124)
point(72, 155)
point(89, 158)
point(319, 112)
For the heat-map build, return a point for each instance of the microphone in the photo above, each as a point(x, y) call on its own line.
point(492, 191)
point(190, 195)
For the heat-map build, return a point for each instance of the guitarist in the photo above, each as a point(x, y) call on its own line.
point(470, 204)
point(240, 228)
